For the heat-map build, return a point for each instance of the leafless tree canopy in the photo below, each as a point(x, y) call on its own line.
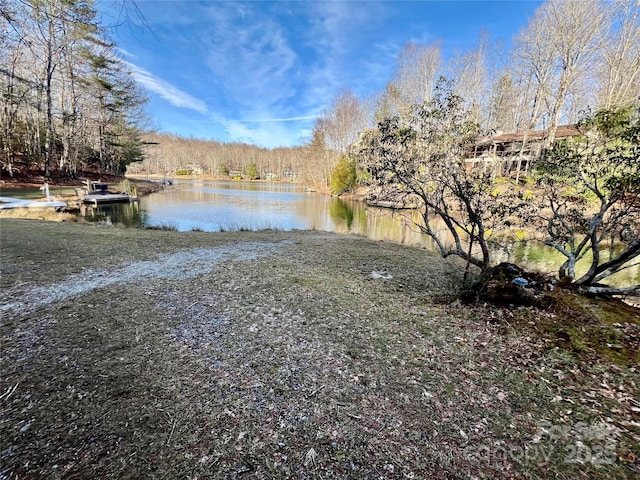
point(68, 101)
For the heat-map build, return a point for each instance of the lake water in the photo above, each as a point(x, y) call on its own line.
point(230, 205)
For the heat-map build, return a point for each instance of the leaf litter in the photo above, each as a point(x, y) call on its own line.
point(278, 355)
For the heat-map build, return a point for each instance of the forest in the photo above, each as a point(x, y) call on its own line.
point(69, 102)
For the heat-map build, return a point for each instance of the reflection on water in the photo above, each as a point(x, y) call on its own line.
point(541, 258)
point(214, 206)
point(127, 214)
point(226, 205)
point(341, 213)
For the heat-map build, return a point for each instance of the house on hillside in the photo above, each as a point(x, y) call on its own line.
point(511, 154)
point(191, 169)
point(501, 154)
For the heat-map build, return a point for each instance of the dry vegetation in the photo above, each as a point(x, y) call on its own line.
point(48, 214)
point(158, 354)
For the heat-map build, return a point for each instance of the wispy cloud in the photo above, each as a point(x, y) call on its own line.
point(266, 134)
point(258, 72)
point(263, 71)
point(253, 60)
point(281, 120)
point(166, 90)
point(124, 53)
point(337, 31)
point(250, 55)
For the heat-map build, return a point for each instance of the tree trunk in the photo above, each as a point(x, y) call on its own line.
point(49, 144)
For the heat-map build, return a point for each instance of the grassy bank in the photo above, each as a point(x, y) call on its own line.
point(149, 354)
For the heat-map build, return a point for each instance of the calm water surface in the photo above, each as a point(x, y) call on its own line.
point(228, 205)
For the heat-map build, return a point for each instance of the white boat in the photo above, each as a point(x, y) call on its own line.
point(98, 192)
point(48, 202)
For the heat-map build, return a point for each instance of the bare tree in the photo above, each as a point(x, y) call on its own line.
point(333, 133)
point(557, 47)
point(470, 72)
point(418, 67)
point(47, 32)
point(532, 67)
point(504, 106)
point(619, 62)
point(64, 88)
point(319, 157)
point(14, 87)
point(343, 119)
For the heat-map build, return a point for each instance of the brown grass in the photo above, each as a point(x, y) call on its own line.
point(158, 354)
point(47, 214)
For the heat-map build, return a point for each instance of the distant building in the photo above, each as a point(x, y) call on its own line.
point(512, 153)
point(191, 169)
point(502, 154)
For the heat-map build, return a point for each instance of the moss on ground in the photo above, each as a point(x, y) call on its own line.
point(593, 328)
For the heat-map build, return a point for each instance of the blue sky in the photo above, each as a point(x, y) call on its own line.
point(261, 72)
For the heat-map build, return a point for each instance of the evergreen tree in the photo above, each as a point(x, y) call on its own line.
point(343, 177)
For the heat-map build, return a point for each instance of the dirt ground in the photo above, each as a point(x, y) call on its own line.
point(158, 354)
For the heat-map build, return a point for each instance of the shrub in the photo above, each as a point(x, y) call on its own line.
point(343, 177)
